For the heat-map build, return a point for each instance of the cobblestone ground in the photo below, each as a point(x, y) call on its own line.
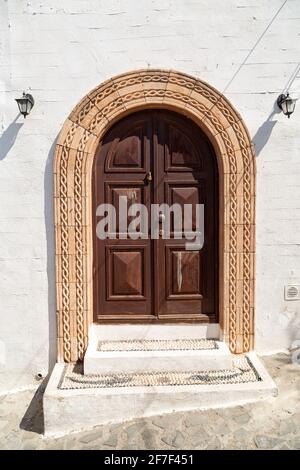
point(271, 424)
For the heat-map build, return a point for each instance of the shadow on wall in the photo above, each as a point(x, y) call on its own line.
point(49, 225)
point(264, 132)
point(9, 136)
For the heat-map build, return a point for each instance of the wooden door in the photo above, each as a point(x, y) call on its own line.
point(155, 280)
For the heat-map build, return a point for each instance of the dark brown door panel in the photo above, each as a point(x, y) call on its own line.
point(156, 157)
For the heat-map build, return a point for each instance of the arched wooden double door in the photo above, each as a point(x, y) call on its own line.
point(155, 157)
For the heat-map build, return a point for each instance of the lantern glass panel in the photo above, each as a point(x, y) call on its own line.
point(284, 106)
point(290, 105)
point(22, 103)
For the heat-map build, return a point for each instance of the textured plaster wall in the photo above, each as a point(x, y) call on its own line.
point(59, 50)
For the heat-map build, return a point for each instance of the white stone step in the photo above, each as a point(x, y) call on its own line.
point(130, 356)
point(81, 403)
point(151, 331)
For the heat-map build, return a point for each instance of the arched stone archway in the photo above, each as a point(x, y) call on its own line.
point(75, 150)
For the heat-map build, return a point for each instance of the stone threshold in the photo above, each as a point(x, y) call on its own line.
point(157, 345)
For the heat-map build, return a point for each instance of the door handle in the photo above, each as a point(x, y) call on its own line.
point(148, 177)
point(161, 219)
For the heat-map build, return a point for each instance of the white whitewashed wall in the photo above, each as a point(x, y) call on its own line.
point(59, 50)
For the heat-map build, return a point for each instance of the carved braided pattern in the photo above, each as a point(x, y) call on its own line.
point(109, 89)
point(94, 102)
point(155, 78)
point(232, 260)
point(65, 245)
point(206, 93)
point(104, 94)
point(84, 111)
point(246, 225)
point(246, 240)
point(81, 338)
point(184, 82)
point(117, 103)
point(135, 80)
point(95, 122)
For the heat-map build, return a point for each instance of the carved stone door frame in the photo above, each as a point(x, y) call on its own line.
point(73, 161)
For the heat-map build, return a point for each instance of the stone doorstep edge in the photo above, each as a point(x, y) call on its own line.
point(203, 397)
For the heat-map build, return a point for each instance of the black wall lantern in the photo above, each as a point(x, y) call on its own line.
point(286, 104)
point(25, 103)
